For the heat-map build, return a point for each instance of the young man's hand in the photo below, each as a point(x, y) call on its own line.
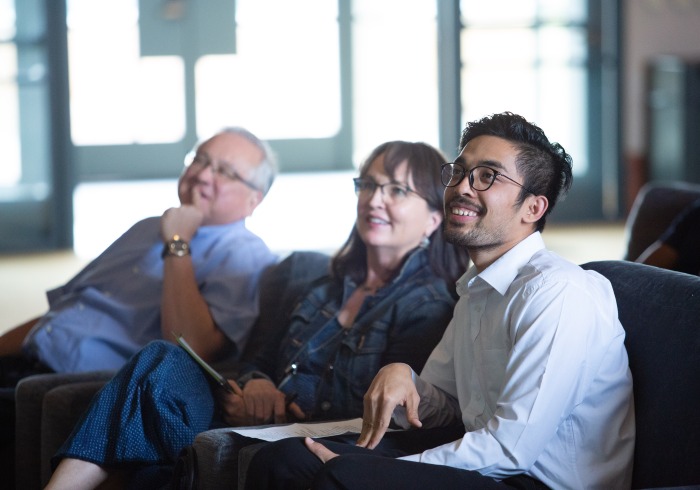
point(392, 386)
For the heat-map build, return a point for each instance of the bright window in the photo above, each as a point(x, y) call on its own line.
point(117, 96)
point(11, 169)
point(528, 57)
point(284, 80)
point(395, 84)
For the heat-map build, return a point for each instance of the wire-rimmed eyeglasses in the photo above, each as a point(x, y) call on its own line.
point(481, 177)
point(392, 192)
point(219, 168)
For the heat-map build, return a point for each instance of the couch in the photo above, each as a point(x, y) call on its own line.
point(49, 405)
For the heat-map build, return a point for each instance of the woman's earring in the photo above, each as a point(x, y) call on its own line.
point(425, 242)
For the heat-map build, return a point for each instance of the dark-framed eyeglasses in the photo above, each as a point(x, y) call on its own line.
point(481, 177)
point(392, 192)
point(219, 168)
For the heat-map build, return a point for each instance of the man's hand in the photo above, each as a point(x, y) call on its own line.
point(183, 221)
point(319, 450)
point(392, 386)
point(260, 402)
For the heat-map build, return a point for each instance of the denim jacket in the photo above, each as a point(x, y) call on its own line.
point(331, 367)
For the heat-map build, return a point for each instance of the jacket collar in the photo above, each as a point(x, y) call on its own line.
point(416, 260)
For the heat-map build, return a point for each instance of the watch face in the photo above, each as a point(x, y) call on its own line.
point(178, 247)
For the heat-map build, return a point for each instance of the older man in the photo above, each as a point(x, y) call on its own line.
point(193, 271)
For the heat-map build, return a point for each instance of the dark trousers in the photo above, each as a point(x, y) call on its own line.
point(288, 464)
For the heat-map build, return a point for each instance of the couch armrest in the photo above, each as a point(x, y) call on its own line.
point(212, 462)
point(63, 407)
point(29, 400)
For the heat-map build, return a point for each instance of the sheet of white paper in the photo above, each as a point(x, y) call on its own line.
point(322, 429)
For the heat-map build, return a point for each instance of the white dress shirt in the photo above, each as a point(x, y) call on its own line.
point(535, 362)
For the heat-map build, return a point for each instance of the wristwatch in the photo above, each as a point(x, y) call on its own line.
point(176, 246)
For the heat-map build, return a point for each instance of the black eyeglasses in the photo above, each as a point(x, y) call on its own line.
point(394, 192)
point(220, 169)
point(481, 178)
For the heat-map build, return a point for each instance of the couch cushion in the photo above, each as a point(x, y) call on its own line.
point(29, 398)
point(63, 407)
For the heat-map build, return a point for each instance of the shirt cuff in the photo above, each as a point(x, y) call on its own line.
point(399, 416)
point(411, 457)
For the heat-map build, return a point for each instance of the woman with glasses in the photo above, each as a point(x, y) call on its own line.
point(387, 298)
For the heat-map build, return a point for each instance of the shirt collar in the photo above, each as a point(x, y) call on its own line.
point(216, 230)
point(503, 271)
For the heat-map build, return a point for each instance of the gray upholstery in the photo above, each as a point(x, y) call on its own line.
point(31, 470)
point(209, 462)
point(660, 311)
point(62, 408)
point(216, 449)
point(49, 405)
point(653, 210)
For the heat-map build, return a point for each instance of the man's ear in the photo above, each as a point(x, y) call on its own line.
point(254, 201)
point(536, 207)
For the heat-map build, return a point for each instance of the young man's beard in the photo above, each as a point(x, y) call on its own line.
point(474, 238)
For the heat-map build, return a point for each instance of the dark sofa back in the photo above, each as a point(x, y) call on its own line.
point(660, 312)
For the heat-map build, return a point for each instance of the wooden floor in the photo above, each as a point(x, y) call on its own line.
point(24, 278)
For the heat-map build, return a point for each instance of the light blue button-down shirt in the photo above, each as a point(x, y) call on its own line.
point(111, 309)
point(535, 366)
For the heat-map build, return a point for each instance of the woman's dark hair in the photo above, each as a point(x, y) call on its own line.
point(424, 162)
point(544, 166)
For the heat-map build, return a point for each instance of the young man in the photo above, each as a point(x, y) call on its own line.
point(530, 385)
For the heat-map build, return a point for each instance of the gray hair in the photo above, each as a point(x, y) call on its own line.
point(265, 173)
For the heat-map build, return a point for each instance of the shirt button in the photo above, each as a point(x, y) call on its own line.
point(135, 270)
point(325, 406)
point(49, 328)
